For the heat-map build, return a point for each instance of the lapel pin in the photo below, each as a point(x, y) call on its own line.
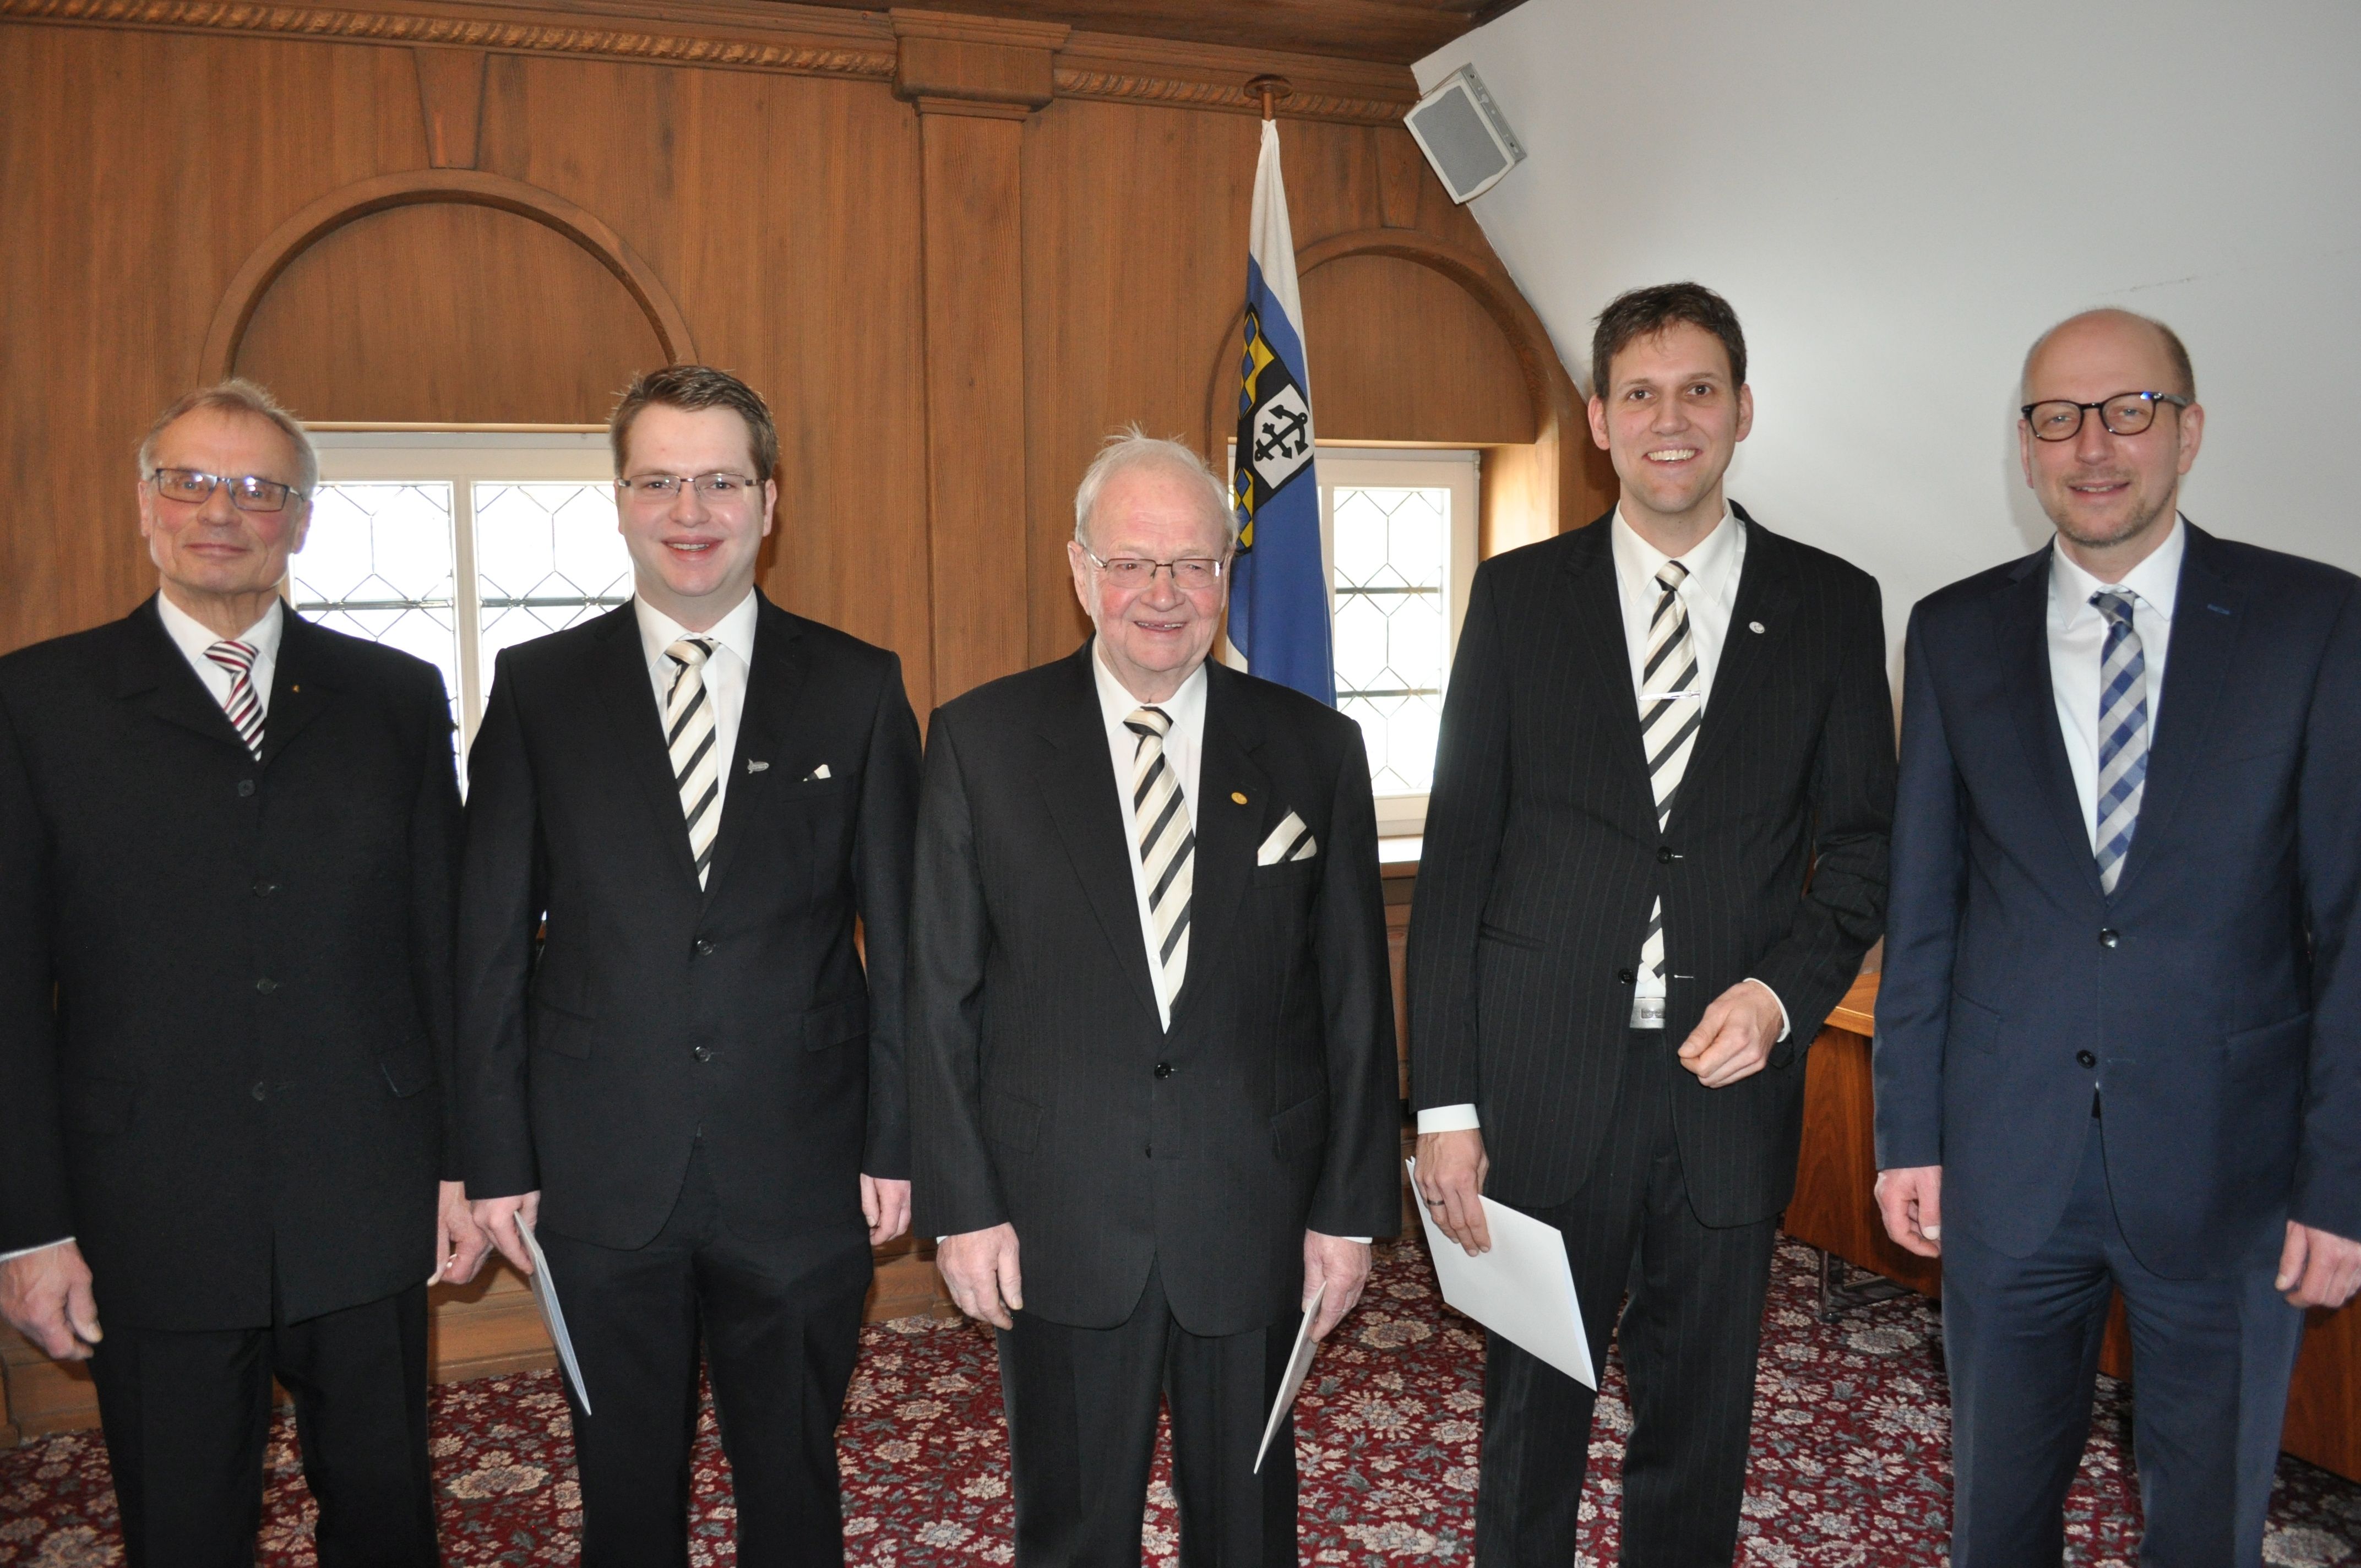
point(1755, 627)
point(754, 767)
point(295, 689)
point(1236, 796)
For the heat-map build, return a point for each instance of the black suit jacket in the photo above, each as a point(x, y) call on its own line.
point(1044, 1090)
point(1543, 859)
point(652, 1008)
point(2213, 998)
point(225, 982)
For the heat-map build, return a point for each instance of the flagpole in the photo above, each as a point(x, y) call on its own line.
point(1269, 88)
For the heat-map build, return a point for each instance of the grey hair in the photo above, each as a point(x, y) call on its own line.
point(237, 395)
point(1132, 449)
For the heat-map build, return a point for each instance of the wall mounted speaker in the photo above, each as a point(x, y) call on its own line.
point(1464, 136)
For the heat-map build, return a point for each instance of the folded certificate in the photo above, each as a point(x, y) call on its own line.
point(545, 1296)
point(1299, 1364)
point(1523, 1289)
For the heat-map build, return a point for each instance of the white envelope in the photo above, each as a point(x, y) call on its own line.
point(545, 1296)
point(1299, 1364)
point(1523, 1289)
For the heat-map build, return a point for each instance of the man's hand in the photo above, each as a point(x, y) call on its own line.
point(498, 1218)
point(1451, 1171)
point(460, 1244)
point(2317, 1269)
point(981, 1268)
point(885, 1204)
point(1910, 1200)
point(1340, 1265)
point(1733, 1040)
point(46, 1296)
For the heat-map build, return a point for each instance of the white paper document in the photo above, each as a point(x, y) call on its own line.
point(1299, 1364)
point(545, 1296)
point(1523, 1289)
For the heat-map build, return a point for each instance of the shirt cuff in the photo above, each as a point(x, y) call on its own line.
point(1785, 1025)
point(29, 1250)
point(1448, 1119)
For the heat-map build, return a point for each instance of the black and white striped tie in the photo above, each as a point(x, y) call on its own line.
point(689, 735)
point(1671, 707)
point(244, 708)
point(1168, 845)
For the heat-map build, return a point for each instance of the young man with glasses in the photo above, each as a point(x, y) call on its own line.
point(228, 845)
point(680, 1073)
point(2119, 1030)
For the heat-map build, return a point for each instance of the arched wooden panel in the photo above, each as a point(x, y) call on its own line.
point(1400, 352)
point(450, 314)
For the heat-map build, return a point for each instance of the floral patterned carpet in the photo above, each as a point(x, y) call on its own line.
point(1850, 1465)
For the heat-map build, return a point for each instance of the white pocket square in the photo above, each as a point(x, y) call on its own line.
point(1291, 840)
point(818, 774)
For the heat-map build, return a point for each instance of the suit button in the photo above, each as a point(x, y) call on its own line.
point(1628, 977)
point(245, 788)
point(262, 1091)
point(1665, 857)
point(2084, 1058)
point(702, 1054)
point(264, 887)
point(2109, 937)
point(265, 985)
point(705, 946)
point(1164, 1070)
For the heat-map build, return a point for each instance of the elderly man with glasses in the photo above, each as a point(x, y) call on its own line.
point(680, 1073)
point(228, 844)
point(1152, 1053)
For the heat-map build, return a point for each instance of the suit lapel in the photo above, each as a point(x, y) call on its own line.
point(1077, 782)
point(1596, 606)
point(298, 687)
point(151, 671)
point(1229, 831)
point(2020, 610)
point(624, 701)
point(2208, 609)
point(1766, 597)
point(764, 724)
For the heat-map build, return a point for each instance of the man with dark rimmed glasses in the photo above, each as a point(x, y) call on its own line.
point(228, 844)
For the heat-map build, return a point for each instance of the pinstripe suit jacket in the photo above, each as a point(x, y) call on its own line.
point(1543, 858)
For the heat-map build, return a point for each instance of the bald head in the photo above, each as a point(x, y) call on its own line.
point(2113, 330)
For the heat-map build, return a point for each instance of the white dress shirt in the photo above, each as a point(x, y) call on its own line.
point(726, 670)
point(192, 637)
point(1185, 749)
point(1710, 592)
point(2077, 641)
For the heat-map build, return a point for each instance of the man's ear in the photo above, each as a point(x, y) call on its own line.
point(1745, 411)
point(1598, 411)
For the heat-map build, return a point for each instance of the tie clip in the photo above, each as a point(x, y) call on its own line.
point(754, 767)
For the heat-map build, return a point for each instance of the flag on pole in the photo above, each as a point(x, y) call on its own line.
point(1278, 586)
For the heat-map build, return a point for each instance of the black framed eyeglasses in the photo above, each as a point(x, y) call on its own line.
point(247, 492)
point(1190, 575)
point(2126, 413)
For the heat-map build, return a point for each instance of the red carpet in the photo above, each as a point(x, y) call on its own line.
point(1851, 1467)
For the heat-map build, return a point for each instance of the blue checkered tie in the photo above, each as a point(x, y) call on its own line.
point(2122, 732)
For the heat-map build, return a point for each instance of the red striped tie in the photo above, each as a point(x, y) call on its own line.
point(245, 709)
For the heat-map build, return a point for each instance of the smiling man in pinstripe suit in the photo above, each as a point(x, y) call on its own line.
point(1655, 853)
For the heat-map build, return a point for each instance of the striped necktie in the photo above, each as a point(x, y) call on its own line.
point(1168, 845)
point(1671, 707)
point(245, 708)
point(690, 736)
point(2123, 733)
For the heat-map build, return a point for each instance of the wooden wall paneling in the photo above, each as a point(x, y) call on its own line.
point(1399, 352)
point(451, 100)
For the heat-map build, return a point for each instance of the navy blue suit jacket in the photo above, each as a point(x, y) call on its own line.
point(2212, 1001)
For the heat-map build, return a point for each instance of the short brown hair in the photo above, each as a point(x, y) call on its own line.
point(240, 396)
point(695, 387)
point(1644, 313)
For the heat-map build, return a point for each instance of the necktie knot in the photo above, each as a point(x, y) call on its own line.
point(1671, 575)
point(2116, 604)
point(232, 654)
point(690, 652)
point(1149, 723)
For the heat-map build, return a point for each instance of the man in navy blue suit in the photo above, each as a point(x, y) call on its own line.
point(2119, 1033)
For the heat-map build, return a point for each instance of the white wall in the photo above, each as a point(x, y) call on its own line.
point(1898, 198)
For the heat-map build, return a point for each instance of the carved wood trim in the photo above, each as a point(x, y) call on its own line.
point(464, 187)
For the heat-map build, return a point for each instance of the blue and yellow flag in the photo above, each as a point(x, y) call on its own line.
point(1279, 589)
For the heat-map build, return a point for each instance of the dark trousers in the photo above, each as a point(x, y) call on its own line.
point(2211, 1360)
point(778, 1321)
point(1689, 1336)
point(1081, 1408)
point(187, 1417)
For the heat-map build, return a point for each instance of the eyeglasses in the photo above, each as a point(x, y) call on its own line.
point(1190, 575)
point(711, 488)
point(247, 492)
point(2126, 413)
